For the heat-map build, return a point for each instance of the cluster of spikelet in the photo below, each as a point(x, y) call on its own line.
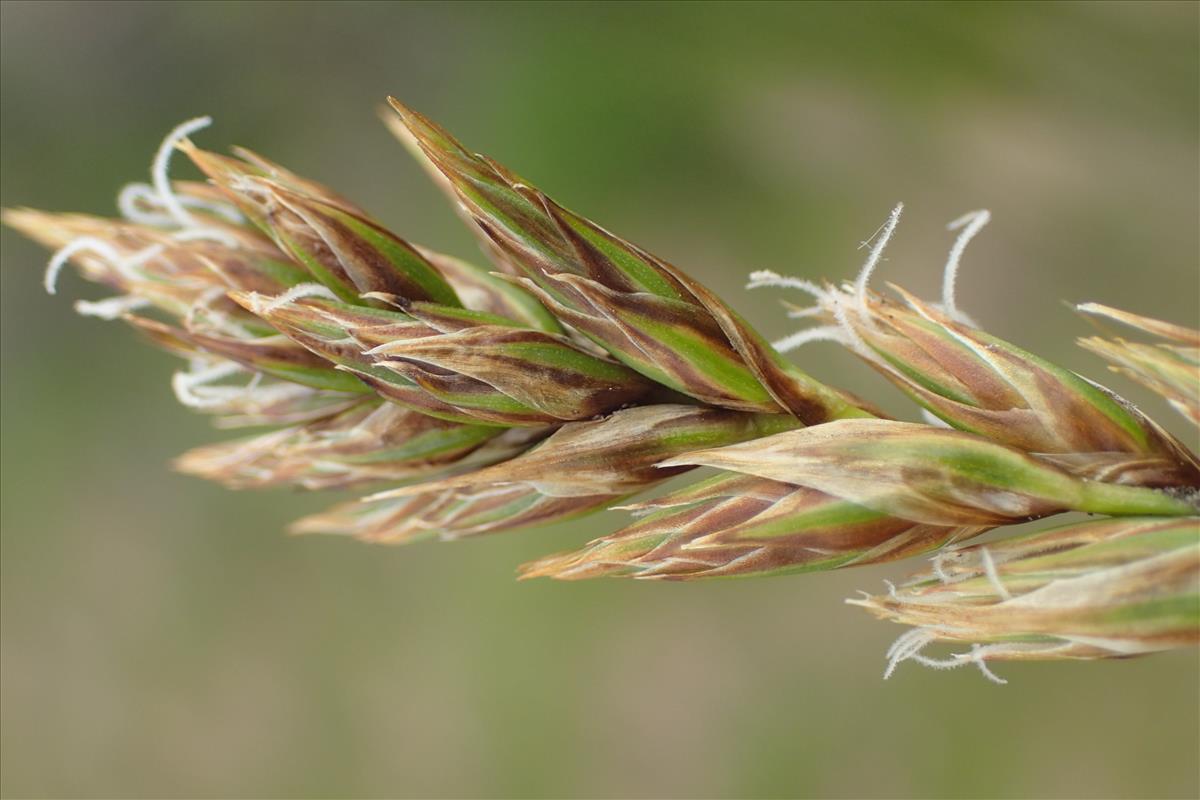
point(579, 371)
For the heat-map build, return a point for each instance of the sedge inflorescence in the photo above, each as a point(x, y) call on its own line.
point(578, 371)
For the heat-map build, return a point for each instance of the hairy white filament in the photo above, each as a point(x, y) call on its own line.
point(72, 248)
point(223, 322)
point(938, 569)
point(184, 384)
point(906, 646)
point(198, 373)
point(297, 292)
point(835, 301)
point(159, 194)
point(823, 333)
point(827, 298)
point(125, 265)
point(842, 316)
point(989, 569)
point(864, 275)
point(193, 389)
point(971, 223)
point(110, 308)
point(956, 660)
point(838, 301)
point(976, 656)
point(134, 196)
point(130, 199)
point(909, 645)
point(802, 313)
point(162, 161)
point(933, 419)
point(765, 277)
point(211, 396)
point(207, 232)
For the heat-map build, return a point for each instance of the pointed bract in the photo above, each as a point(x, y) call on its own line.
point(1097, 589)
point(479, 290)
point(175, 275)
point(640, 309)
point(741, 525)
point(371, 442)
point(978, 383)
point(458, 364)
point(1177, 334)
point(1170, 369)
point(449, 514)
point(620, 454)
point(272, 355)
point(587, 370)
point(341, 247)
point(926, 474)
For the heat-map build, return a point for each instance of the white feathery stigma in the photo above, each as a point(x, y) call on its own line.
point(129, 201)
point(765, 277)
point(194, 390)
point(822, 333)
point(72, 248)
point(938, 569)
point(993, 576)
point(837, 301)
point(135, 198)
point(110, 308)
point(971, 223)
point(185, 384)
point(202, 308)
point(906, 646)
point(882, 237)
point(162, 162)
point(207, 232)
point(297, 292)
point(803, 313)
point(832, 300)
point(909, 645)
point(933, 419)
point(125, 265)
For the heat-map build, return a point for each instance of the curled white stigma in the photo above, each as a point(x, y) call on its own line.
point(909, 645)
point(803, 313)
point(971, 223)
point(906, 646)
point(933, 419)
point(110, 308)
point(129, 201)
point(938, 569)
point(194, 388)
point(71, 249)
point(297, 292)
point(834, 300)
point(214, 319)
point(126, 266)
point(993, 576)
point(162, 162)
point(134, 198)
point(207, 232)
point(853, 298)
point(823, 333)
point(882, 237)
point(765, 277)
point(186, 384)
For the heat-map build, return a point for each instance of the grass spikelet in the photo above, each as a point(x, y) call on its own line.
point(584, 370)
point(1170, 368)
point(1098, 589)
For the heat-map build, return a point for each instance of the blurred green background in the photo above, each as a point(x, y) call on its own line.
point(162, 637)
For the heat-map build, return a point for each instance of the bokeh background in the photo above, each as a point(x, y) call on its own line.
point(162, 637)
